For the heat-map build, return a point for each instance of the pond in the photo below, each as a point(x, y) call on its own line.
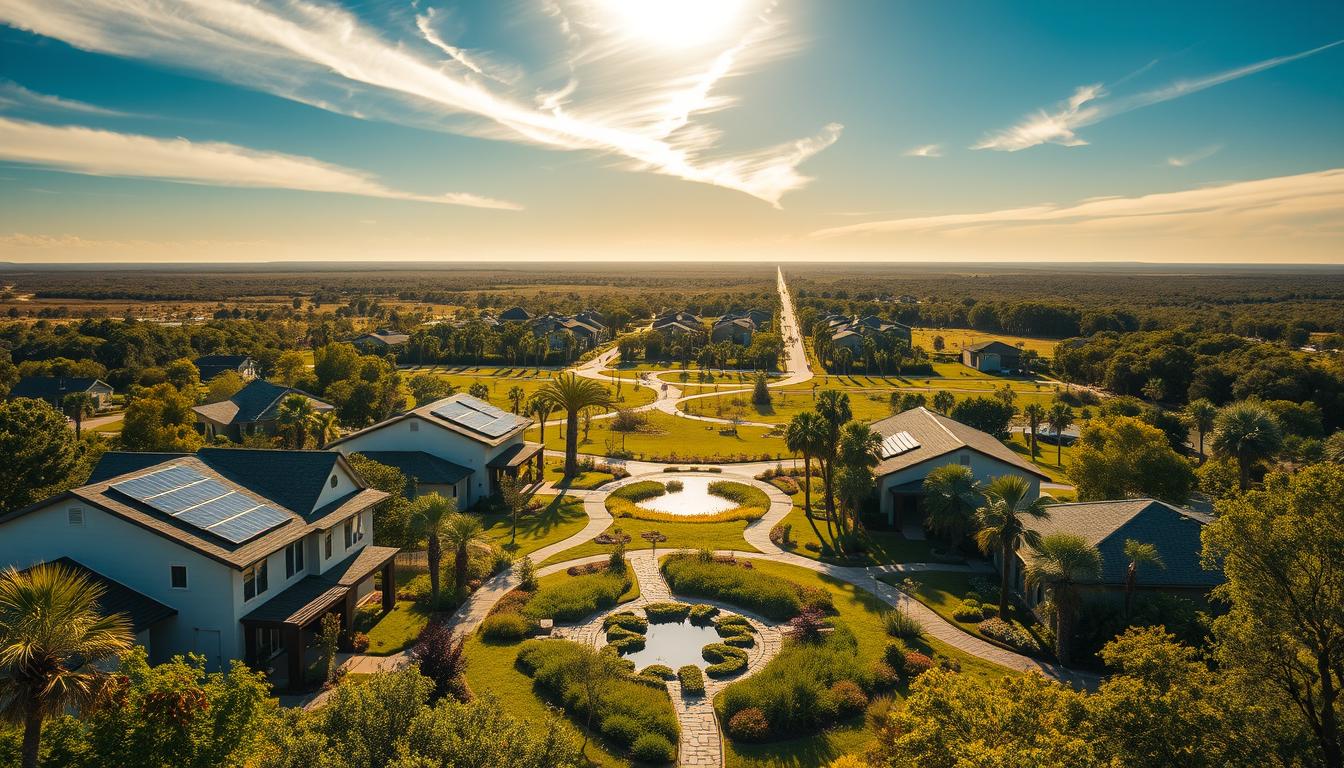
point(675, 645)
point(693, 499)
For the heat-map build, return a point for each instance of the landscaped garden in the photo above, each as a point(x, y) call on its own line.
point(554, 518)
point(688, 497)
point(665, 437)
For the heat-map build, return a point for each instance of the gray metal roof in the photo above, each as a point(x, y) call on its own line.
point(938, 435)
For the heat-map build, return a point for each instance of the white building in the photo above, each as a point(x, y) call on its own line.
point(231, 554)
point(458, 447)
point(918, 441)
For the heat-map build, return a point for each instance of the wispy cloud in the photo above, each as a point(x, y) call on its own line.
point(925, 150)
point(13, 95)
point(636, 107)
point(93, 152)
point(470, 59)
point(1090, 104)
point(1261, 202)
point(1181, 161)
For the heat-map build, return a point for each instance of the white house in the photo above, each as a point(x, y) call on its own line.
point(459, 447)
point(232, 554)
point(917, 441)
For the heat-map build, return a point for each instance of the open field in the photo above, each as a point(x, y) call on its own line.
point(956, 339)
point(668, 438)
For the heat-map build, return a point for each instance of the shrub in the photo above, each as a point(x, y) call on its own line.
point(652, 748)
point(816, 598)
point(640, 491)
point(969, 610)
point(732, 624)
point(692, 680)
point(506, 627)
point(666, 613)
point(359, 642)
point(724, 660)
point(780, 535)
point(675, 486)
point(630, 643)
point(620, 729)
point(659, 671)
point(577, 597)
point(616, 632)
point(1010, 634)
point(770, 596)
point(527, 574)
point(917, 663)
point(749, 725)
point(703, 614)
point(438, 654)
point(785, 483)
point(884, 676)
point(740, 641)
point(808, 625)
point(741, 494)
point(626, 620)
point(849, 697)
point(894, 654)
point(901, 624)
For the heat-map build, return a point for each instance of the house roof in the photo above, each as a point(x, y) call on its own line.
point(515, 314)
point(741, 322)
point(514, 455)
point(386, 338)
point(426, 413)
point(312, 596)
point(54, 387)
point(211, 366)
point(141, 610)
point(422, 467)
point(259, 400)
point(1108, 524)
point(937, 436)
point(290, 480)
point(994, 346)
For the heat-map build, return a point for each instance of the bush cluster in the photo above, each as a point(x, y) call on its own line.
point(506, 626)
point(692, 680)
point(786, 484)
point(970, 610)
point(667, 612)
point(724, 660)
point(1010, 634)
point(901, 624)
point(703, 614)
point(675, 486)
point(652, 748)
point(658, 671)
point(775, 598)
point(781, 534)
point(741, 494)
point(735, 631)
point(640, 491)
point(627, 620)
point(749, 725)
point(578, 596)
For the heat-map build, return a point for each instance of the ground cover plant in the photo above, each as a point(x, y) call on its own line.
point(738, 583)
point(573, 597)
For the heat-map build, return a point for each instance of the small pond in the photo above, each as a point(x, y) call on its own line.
point(693, 499)
point(675, 645)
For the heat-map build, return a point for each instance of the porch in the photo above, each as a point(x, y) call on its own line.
point(524, 461)
point(907, 509)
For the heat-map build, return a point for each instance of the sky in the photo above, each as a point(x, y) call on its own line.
point(771, 130)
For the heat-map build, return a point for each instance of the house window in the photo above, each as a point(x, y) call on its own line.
point(415, 426)
point(75, 517)
point(177, 576)
point(326, 545)
point(359, 528)
point(965, 460)
point(333, 481)
point(349, 533)
point(293, 558)
point(254, 581)
point(268, 643)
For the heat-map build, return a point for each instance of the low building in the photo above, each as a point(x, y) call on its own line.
point(992, 357)
point(252, 410)
point(380, 341)
point(918, 441)
point(849, 332)
point(478, 439)
point(738, 330)
point(54, 389)
point(227, 553)
point(211, 366)
point(1107, 525)
point(682, 317)
point(515, 315)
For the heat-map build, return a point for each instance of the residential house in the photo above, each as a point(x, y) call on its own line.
point(849, 332)
point(558, 331)
point(252, 410)
point(1107, 525)
point(227, 553)
point(211, 366)
point(482, 444)
point(681, 317)
point(992, 357)
point(380, 341)
point(738, 330)
point(918, 441)
point(54, 389)
point(515, 315)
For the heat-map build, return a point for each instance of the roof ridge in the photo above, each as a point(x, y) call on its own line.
point(939, 422)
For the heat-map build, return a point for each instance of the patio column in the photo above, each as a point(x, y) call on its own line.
point(294, 655)
point(390, 585)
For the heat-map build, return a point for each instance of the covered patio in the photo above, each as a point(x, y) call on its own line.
point(524, 461)
point(907, 509)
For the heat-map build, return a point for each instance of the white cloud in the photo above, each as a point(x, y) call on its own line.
point(94, 152)
point(925, 150)
point(633, 101)
point(13, 95)
point(1299, 203)
point(470, 59)
point(1188, 159)
point(1090, 104)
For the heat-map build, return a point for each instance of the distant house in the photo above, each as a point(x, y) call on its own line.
point(211, 366)
point(515, 315)
point(251, 411)
point(992, 357)
point(380, 341)
point(557, 330)
point(849, 332)
point(467, 444)
point(54, 389)
point(1107, 525)
point(227, 553)
point(592, 318)
point(738, 330)
point(683, 317)
point(918, 441)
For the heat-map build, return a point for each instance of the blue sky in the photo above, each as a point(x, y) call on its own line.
point(701, 129)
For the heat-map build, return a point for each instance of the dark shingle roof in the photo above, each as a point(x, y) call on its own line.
point(939, 435)
point(259, 400)
point(117, 463)
point(420, 466)
point(515, 314)
point(211, 366)
point(994, 346)
point(142, 611)
point(294, 479)
point(309, 598)
point(52, 387)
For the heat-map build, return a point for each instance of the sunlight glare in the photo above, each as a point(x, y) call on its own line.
point(674, 23)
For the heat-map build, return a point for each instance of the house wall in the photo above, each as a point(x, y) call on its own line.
point(984, 468)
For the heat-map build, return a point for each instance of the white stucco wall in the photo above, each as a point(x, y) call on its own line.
point(984, 468)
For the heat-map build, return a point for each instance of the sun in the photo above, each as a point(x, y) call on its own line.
point(673, 23)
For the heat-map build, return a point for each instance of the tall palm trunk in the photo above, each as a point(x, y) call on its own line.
point(1006, 552)
point(32, 733)
point(1130, 575)
point(460, 570)
point(1244, 469)
point(829, 503)
point(572, 443)
point(807, 495)
point(1063, 627)
point(435, 555)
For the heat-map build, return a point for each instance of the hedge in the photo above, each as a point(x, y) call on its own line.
point(692, 680)
point(666, 612)
point(506, 626)
point(577, 596)
point(627, 620)
point(702, 613)
point(724, 660)
point(775, 598)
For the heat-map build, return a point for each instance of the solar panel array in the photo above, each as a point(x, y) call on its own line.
point(203, 502)
point(901, 442)
point(479, 416)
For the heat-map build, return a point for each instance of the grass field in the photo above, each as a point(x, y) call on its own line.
point(1045, 456)
point(954, 339)
point(398, 629)
point(562, 517)
point(726, 535)
point(669, 438)
point(943, 591)
point(499, 381)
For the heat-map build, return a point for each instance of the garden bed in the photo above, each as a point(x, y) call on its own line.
point(722, 500)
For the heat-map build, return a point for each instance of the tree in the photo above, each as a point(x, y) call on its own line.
point(53, 645)
point(1247, 432)
point(806, 434)
point(516, 395)
point(1280, 548)
point(328, 642)
point(1200, 414)
point(540, 409)
point(654, 538)
point(77, 405)
point(1122, 457)
point(325, 427)
point(223, 386)
point(1059, 418)
point(1035, 415)
point(594, 673)
point(289, 368)
point(985, 414)
point(570, 393)
point(1060, 562)
point(160, 419)
point(426, 388)
point(943, 401)
point(479, 391)
point(760, 393)
point(295, 417)
point(860, 451)
point(462, 532)
point(1008, 502)
point(183, 374)
point(1138, 553)
point(951, 498)
point(430, 516)
point(38, 449)
point(833, 407)
point(515, 500)
point(438, 655)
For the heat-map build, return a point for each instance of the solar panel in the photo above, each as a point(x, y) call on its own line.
point(203, 502)
point(478, 416)
point(895, 445)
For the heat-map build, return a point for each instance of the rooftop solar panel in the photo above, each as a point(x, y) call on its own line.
point(895, 445)
point(478, 416)
point(203, 502)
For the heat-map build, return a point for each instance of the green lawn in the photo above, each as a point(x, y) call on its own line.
point(679, 536)
point(673, 439)
point(1045, 456)
point(398, 629)
point(867, 402)
point(881, 547)
point(499, 381)
point(943, 591)
point(816, 750)
point(562, 517)
point(954, 339)
point(583, 480)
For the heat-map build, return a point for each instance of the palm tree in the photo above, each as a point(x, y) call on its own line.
point(429, 519)
point(77, 405)
point(1002, 524)
point(860, 451)
point(325, 427)
point(943, 401)
point(951, 497)
point(833, 408)
point(571, 394)
point(843, 356)
point(295, 416)
point(516, 395)
point(515, 500)
point(1059, 419)
point(1200, 414)
point(806, 434)
point(54, 646)
point(1247, 432)
point(1035, 415)
point(1138, 553)
point(460, 533)
point(540, 408)
point(1061, 562)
